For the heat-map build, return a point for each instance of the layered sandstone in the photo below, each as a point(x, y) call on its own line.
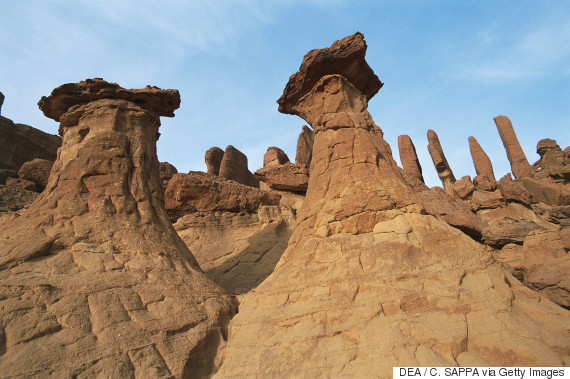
point(94, 279)
point(369, 281)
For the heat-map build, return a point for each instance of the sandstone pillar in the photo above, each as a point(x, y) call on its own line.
point(409, 158)
point(481, 161)
point(108, 287)
point(305, 146)
point(519, 164)
point(440, 162)
point(213, 159)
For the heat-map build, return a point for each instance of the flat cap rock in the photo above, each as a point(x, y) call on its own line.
point(345, 57)
point(159, 101)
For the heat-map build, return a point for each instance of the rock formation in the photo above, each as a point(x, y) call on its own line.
point(94, 279)
point(409, 158)
point(234, 167)
point(166, 171)
point(22, 143)
point(37, 171)
point(552, 162)
point(1, 101)
point(213, 160)
point(274, 156)
point(482, 163)
point(515, 154)
point(369, 281)
point(286, 177)
point(438, 157)
point(305, 146)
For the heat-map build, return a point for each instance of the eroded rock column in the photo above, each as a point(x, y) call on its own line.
point(108, 287)
point(440, 162)
point(519, 164)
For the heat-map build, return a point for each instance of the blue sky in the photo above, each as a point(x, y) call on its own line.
point(447, 65)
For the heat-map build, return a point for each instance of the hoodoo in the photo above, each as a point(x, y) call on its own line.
point(94, 280)
point(369, 281)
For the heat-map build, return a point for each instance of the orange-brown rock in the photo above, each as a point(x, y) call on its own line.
point(519, 164)
point(201, 192)
point(234, 167)
point(513, 191)
point(213, 159)
point(22, 143)
point(286, 177)
point(94, 280)
point(483, 183)
point(410, 163)
point(344, 57)
point(304, 150)
point(369, 282)
point(546, 190)
point(167, 171)
point(13, 199)
point(453, 211)
point(552, 161)
point(486, 200)
point(37, 171)
point(440, 162)
point(21, 184)
point(481, 161)
point(464, 187)
point(274, 156)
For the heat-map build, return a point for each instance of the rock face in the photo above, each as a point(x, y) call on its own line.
point(439, 161)
point(166, 172)
point(22, 143)
point(304, 151)
point(515, 154)
point(409, 158)
point(369, 281)
point(552, 161)
point(274, 157)
point(213, 159)
point(234, 167)
point(200, 192)
point(94, 279)
point(344, 57)
point(481, 161)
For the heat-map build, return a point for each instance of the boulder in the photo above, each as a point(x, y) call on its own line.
point(201, 192)
point(304, 150)
point(21, 184)
point(513, 191)
point(213, 159)
point(344, 57)
point(274, 156)
point(37, 171)
point(286, 177)
point(6, 173)
point(94, 279)
point(464, 187)
point(547, 191)
point(13, 199)
point(483, 183)
point(552, 160)
point(485, 200)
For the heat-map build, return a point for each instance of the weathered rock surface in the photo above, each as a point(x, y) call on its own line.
point(481, 161)
point(201, 192)
point(94, 280)
point(368, 282)
point(513, 191)
point(274, 156)
point(286, 177)
point(552, 161)
point(519, 164)
point(234, 167)
point(21, 184)
point(464, 187)
point(304, 150)
point(547, 190)
point(13, 199)
point(344, 57)
point(486, 200)
point(22, 143)
point(453, 211)
point(409, 158)
point(166, 171)
point(213, 159)
point(37, 171)
point(440, 162)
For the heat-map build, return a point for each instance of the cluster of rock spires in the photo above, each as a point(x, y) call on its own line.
point(341, 263)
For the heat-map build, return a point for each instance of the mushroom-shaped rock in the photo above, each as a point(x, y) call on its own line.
point(345, 57)
point(106, 286)
point(160, 102)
